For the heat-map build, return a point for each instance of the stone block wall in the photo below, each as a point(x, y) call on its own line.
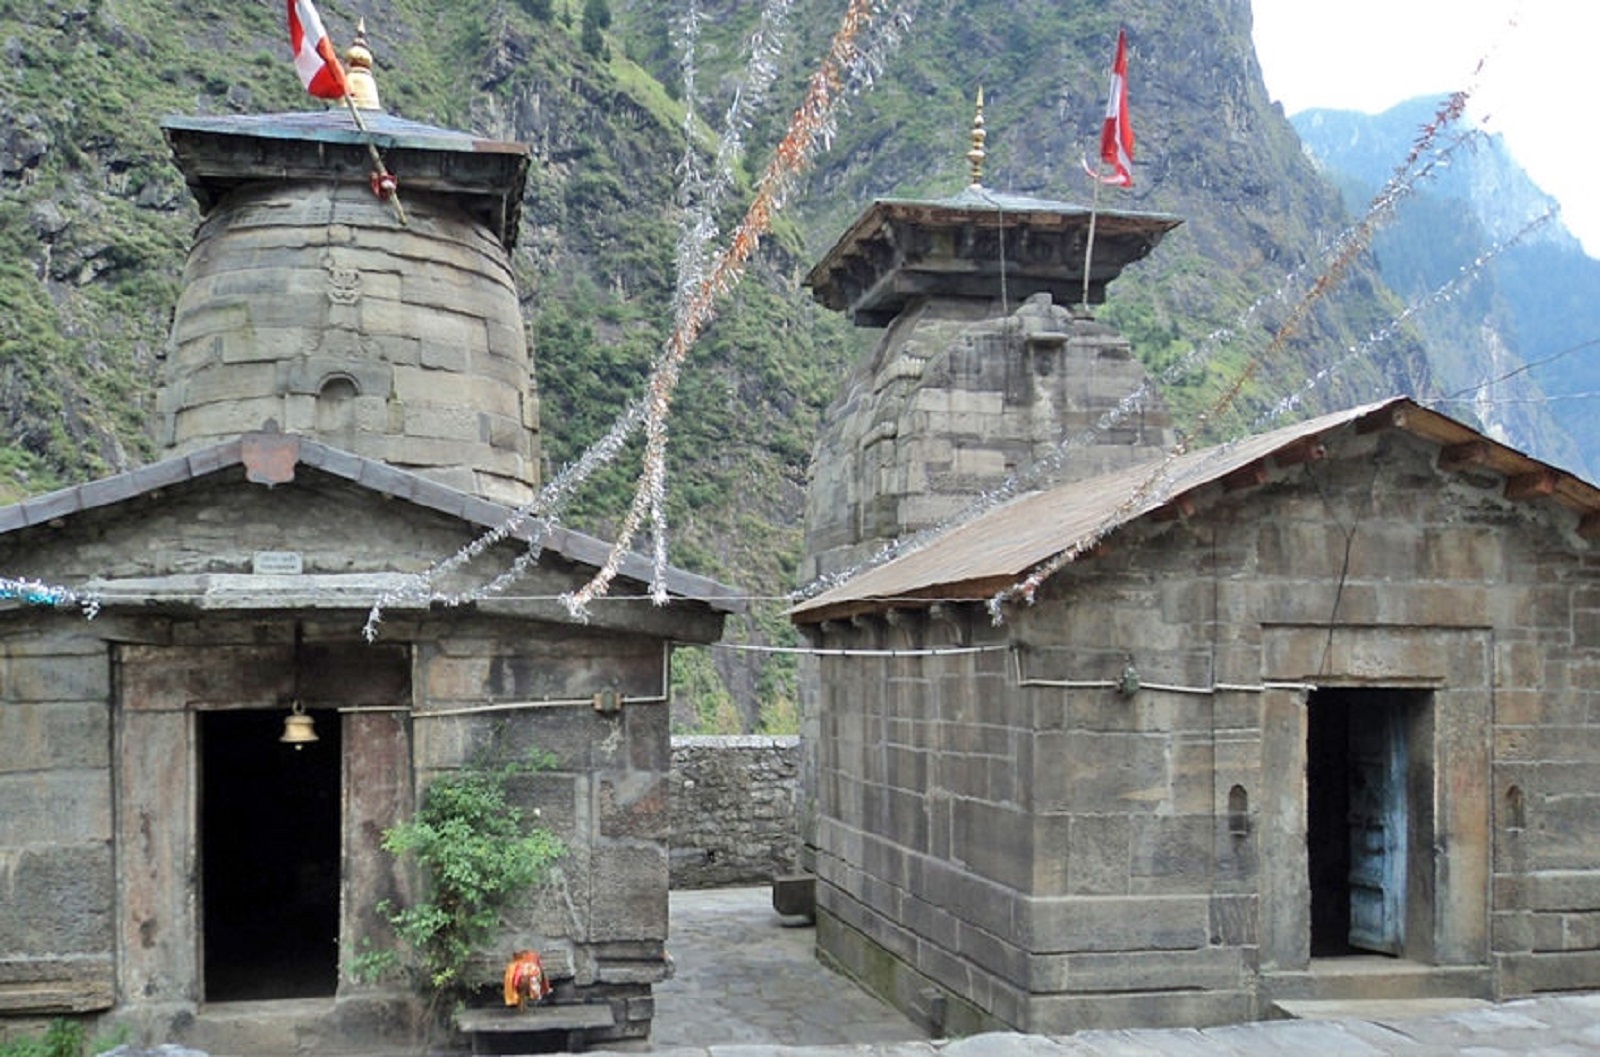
point(58, 895)
point(309, 306)
point(601, 922)
point(733, 809)
point(102, 731)
point(954, 400)
point(1009, 831)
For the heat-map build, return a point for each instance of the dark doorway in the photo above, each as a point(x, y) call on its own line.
point(269, 852)
point(1359, 824)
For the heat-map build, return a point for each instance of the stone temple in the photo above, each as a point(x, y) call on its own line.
point(346, 400)
point(1129, 733)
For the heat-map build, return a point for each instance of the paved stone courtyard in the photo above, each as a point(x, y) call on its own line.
point(747, 985)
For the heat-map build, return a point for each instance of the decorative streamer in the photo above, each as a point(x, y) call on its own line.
point(849, 66)
point(1346, 249)
point(868, 30)
point(540, 512)
point(36, 593)
point(1464, 277)
point(1343, 249)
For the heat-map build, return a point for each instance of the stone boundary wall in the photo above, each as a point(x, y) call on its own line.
point(733, 809)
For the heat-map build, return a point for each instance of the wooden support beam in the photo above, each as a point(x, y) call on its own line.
point(1383, 418)
point(1177, 508)
point(1306, 449)
point(1589, 525)
point(1252, 475)
point(1455, 457)
point(1531, 485)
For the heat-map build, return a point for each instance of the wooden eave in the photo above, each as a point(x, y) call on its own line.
point(885, 259)
point(218, 155)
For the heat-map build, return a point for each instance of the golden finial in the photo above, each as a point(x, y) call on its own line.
point(358, 72)
point(976, 155)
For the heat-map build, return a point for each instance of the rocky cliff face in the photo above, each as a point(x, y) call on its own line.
point(95, 222)
point(1520, 320)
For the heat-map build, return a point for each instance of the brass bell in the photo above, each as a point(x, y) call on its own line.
point(298, 728)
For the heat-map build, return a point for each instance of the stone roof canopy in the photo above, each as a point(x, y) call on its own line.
point(271, 459)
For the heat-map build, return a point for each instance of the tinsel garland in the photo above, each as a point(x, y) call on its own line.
point(1048, 466)
point(1346, 249)
point(701, 284)
point(1465, 276)
point(36, 593)
point(849, 66)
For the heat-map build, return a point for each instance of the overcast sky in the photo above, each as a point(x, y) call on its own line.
point(1539, 85)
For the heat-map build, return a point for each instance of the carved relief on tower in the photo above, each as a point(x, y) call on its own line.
point(344, 284)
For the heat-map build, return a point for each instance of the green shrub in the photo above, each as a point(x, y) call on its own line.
point(63, 1038)
point(477, 852)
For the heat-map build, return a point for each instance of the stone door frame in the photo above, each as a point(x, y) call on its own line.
point(157, 800)
point(1448, 911)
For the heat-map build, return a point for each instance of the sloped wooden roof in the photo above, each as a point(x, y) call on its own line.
point(982, 557)
point(270, 459)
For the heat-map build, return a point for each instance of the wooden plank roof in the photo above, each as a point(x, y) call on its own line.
point(980, 558)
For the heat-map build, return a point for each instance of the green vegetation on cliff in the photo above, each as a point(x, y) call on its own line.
point(94, 223)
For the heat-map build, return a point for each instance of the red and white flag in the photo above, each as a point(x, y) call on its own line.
point(1116, 134)
point(314, 57)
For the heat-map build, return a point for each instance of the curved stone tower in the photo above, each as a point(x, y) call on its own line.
point(308, 303)
point(983, 370)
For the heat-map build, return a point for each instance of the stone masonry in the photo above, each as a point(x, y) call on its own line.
point(306, 303)
point(347, 399)
point(733, 809)
point(955, 401)
point(1026, 837)
point(309, 306)
point(101, 722)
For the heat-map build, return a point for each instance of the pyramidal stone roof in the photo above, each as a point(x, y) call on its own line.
point(270, 459)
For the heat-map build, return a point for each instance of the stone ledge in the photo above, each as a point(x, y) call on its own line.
point(493, 1030)
point(56, 986)
point(568, 1017)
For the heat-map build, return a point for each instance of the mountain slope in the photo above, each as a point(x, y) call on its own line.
point(1508, 340)
point(94, 223)
point(1211, 148)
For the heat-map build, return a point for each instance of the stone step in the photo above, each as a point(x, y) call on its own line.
point(501, 1030)
point(254, 1027)
point(1376, 1009)
point(355, 1024)
point(1376, 978)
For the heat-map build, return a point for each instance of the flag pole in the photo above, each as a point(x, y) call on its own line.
point(387, 178)
point(1088, 247)
point(1116, 149)
point(320, 70)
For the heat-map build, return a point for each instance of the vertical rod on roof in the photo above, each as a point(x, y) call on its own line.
point(1088, 248)
point(387, 179)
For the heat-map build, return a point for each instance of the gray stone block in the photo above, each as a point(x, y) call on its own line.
point(57, 807)
point(61, 900)
point(65, 735)
point(628, 893)
point(1110, 923)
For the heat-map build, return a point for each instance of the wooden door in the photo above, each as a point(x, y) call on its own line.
point(1378, 827)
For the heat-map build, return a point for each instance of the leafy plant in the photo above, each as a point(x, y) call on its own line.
point(477, 852)
point(63, 1038)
